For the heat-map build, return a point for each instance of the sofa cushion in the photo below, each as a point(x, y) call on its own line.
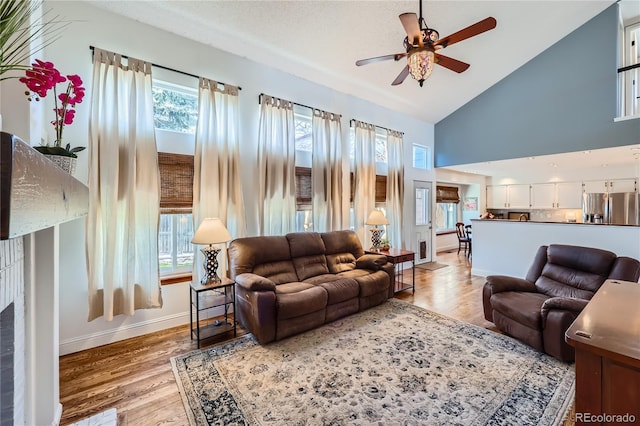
point(305, 244)
point(524, 308)
point(340, 262)
point(342, 242)
point(373, 283)
point(245, 254)
point(324, 278)
point(278, 272)
point(291, 305)
point(562, 281)
point(310, 266)
point(292, 287)
point(340, 290)
point(354, 273)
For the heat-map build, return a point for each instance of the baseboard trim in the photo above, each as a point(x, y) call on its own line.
point(481, 272)
point(105, 337)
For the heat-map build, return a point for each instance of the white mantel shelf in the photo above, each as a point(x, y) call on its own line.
point(34, 192)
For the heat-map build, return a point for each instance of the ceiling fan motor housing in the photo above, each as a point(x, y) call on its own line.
point(429, 36)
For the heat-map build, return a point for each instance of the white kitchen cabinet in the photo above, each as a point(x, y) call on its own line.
point(560, 195)
point(622, 185)
point(543, 195)
point(508, 196)
point(612, 185)
point(569, 195)
point(518, 197)
point(497, 196)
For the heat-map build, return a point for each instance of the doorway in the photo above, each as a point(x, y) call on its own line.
point(421, 240)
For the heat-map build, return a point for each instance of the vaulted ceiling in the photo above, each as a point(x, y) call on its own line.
point(321, 40)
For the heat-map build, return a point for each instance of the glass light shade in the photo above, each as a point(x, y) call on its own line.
point(211, 231)
point(376, 218)
point(421, 64)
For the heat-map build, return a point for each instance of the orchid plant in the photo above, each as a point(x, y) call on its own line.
point(39, 79)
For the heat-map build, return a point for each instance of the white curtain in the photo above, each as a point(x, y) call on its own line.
point(395, 188)
point(364, 199)
point(217, 189)
point(124, 183)
point(276, 167)
point(326, 171)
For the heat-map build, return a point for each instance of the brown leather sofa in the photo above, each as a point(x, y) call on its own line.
point(293, 283)
point(539, 309)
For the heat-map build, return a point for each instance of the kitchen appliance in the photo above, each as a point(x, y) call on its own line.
point(611, 208)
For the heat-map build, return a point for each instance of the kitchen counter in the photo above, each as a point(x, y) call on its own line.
point(507, 247)
point(541, 221)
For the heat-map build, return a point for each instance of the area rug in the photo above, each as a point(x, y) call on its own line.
point(395, 364)
point(431, 266)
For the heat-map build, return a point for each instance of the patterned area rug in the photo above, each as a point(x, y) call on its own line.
point(392, 364)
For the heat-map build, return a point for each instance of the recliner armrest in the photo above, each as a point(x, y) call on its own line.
point(502, 283)
point(253, 282)
point(564, 303)
point(569, 305)
point(373, 262)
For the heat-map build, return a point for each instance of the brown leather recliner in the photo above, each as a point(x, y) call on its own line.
point(539, 309)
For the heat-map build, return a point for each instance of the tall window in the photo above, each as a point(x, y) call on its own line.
point(175, 116)
point(175, 251)
point(421, 157)
point(304, 211)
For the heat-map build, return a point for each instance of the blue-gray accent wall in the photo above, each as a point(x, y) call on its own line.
point(563, 100)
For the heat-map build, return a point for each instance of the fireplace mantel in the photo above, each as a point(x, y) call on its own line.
point(34, 192)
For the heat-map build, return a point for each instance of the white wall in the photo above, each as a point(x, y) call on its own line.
point(71, 55)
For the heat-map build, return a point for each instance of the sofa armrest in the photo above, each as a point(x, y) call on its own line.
point(502, 283)
point(373, 262)
point(564, 303)
point(569, 305)
point(253, 282)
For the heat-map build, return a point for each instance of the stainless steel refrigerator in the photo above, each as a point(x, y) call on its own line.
point(615, 208)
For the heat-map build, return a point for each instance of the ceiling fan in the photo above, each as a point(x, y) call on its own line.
point(421, 44)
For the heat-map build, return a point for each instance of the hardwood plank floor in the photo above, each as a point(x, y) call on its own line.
point(135, 375)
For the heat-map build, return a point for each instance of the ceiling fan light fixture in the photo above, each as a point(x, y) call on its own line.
point(420, 64)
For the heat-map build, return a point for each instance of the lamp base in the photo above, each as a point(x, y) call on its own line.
point(376, 238)
point(210, 265)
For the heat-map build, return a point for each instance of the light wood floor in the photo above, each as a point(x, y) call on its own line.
point(135, 375)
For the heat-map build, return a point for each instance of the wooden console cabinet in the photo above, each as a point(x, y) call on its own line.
point(606, 337)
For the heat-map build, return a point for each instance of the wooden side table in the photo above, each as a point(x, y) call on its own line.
point(398, 257)
point(204, 297)
point(605, 337)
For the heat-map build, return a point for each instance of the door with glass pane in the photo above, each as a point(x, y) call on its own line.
point(421, 238)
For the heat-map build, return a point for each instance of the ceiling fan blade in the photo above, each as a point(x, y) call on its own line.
point(412, 27)
point(400, 78)
point(394, 56)
point(465, 33)
point(452, 64)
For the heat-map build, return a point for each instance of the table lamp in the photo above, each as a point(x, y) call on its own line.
point(211, 231)
point(376, 218)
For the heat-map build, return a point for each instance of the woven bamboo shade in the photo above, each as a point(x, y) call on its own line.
point(381, 188)
point(176, 182)
point(447, 194)
point(304, 192)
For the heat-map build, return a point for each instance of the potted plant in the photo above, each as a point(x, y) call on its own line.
point(39, 79)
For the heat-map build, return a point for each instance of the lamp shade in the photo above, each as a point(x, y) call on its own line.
point(376, 217)
point(211, 231)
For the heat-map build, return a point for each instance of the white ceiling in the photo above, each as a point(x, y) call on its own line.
point(321, 40)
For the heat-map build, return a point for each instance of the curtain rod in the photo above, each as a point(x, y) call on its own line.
point(171, 69)
point(375, 125)
point(295, 103)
